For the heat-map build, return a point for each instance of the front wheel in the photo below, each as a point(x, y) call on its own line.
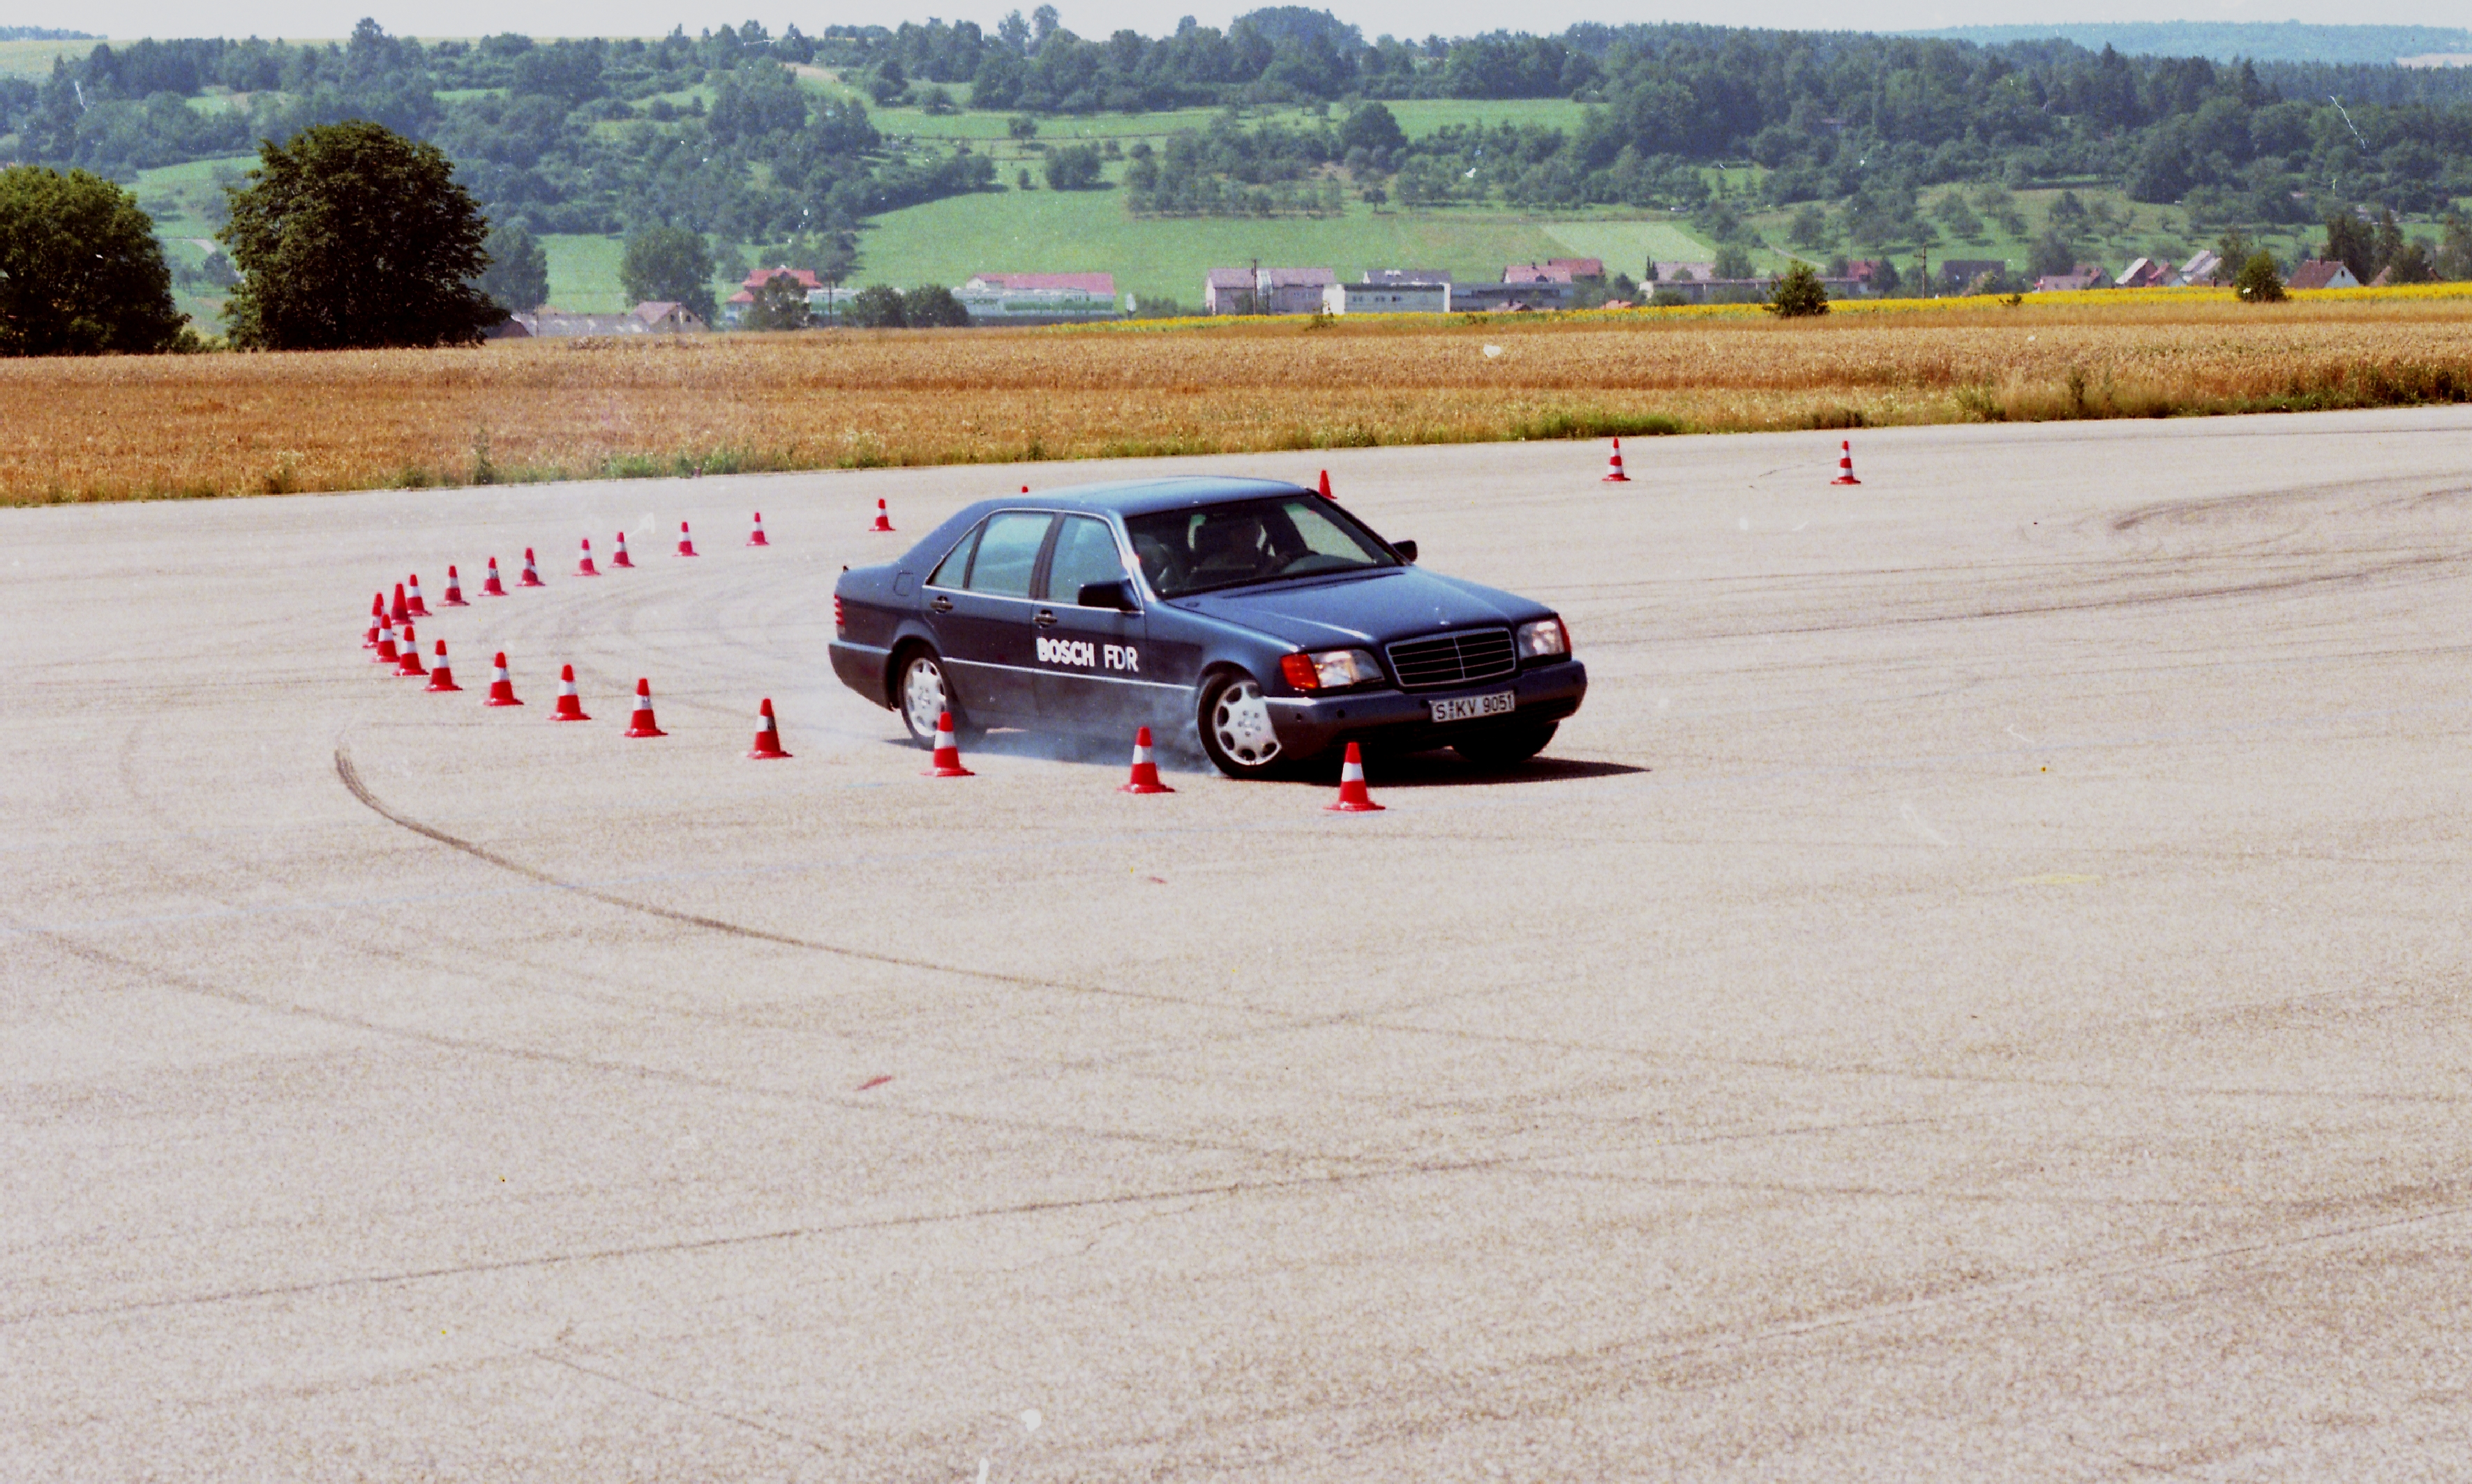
point(1506, 747)
point(1235, 725)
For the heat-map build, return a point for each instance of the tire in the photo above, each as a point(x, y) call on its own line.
point(1504, 748)
point(1235, 726)
point(920, 691)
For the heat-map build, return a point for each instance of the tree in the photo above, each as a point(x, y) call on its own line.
point(933, 305)
point(780, 304)
point(1799, 294)
point(2051, 255)
point(1374, 128)
point(352, 236)
point(1073, 168)
point(669, 264)
point(2235, 249)
point(1733, 262)
point(517, 277)
point(2259, 284)
point(1021, 126)
point(1810, 229)
point(875, 307)
point(2350, 242)
point(2454, 253)
point(80, 273)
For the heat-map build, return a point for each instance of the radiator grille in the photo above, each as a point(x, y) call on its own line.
point(1460, 659)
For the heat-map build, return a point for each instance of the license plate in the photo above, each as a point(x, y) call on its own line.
point(1460, 708)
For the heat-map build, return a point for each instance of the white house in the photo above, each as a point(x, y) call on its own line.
point(1385, 297)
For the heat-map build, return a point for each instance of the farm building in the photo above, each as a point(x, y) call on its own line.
point(1498, 297)
point(645, 318)
point(1386, 299)
point(2084, 276)
point(1555, 270)
point(2323, 274)
point(2144, 273)
point(1039, 299)
point(1264, 290)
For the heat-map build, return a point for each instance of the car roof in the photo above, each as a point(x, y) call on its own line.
point(1144, 497)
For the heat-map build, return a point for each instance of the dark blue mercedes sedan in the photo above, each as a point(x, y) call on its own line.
point(1259, 614)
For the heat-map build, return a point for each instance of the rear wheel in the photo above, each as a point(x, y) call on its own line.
point(923, 693)
point(1504, 747)
point(1235, 725)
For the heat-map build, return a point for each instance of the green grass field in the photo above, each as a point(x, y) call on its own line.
point(34, 59)
point(1418, 118)
point(583, 275)
point(1051, 232)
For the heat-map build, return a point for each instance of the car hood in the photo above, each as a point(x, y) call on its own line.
point(1374, 607)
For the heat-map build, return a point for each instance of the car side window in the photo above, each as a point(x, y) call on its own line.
point(1086, 552)
point(1007, 553)
point(948, 572)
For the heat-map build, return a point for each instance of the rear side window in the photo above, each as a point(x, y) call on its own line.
point(1007, 553)
point(1086, 552)
point(950, 571)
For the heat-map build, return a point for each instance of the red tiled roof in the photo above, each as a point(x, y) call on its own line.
point(764, 275)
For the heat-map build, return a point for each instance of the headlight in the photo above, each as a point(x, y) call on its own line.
point(1330, 669)
point(1544, 637)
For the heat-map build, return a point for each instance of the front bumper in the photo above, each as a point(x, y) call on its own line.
point(1398, 721)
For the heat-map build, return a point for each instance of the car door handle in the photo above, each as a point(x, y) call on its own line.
point(941, 604)
point(1043, 617)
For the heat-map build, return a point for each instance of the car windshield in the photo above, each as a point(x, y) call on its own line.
point(1189, 551)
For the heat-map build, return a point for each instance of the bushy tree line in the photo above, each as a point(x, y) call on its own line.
point(579, 136)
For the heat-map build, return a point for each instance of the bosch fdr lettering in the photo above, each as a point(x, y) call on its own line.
point(1081, 651)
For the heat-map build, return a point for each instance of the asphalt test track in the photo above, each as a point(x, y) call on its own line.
point(1979, 993)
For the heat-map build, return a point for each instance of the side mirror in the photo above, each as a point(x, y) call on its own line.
point(1118, 595)
point(1407, 551)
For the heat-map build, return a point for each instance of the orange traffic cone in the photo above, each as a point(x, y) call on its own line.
point(454, 590)
point(377, 620)
point(1145, 778)
point(409, 662)
point(585, 567)
point(1352, 797)
point(386, 654)
point(618, 552)
point(1845, 464)
point(1326, 485)
point(570, 706)
point(641, 724)
point(948, 752)
point(686, 542)
point(1614, 474)
point(767, 734)
point(502, 686)
point(399, 613)
point(884, 517)
point(757, 540)
point(494, 588)
point(531, 572)
point(418, 608)
point(441, 678)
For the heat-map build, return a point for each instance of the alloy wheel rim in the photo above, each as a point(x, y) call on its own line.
point(923, 693)
point(1239, 719)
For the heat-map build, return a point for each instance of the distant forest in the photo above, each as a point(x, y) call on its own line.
point(2232, 41)
point(603, 135)
point(39, 33)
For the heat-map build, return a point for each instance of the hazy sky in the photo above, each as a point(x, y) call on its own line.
point(298, 18)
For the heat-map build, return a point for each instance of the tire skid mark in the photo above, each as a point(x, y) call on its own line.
point(351, 780)
point(1525, 1164)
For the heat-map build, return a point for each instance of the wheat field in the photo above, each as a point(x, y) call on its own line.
point(228, 425)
